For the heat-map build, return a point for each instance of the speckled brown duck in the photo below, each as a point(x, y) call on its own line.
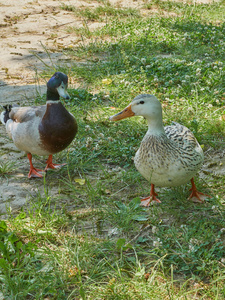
point(42, 130)
point(168, 156)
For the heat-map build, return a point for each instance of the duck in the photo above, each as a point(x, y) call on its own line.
point(42, 130)
point(168, 156)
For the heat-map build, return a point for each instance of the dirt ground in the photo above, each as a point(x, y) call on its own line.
point(27, 29)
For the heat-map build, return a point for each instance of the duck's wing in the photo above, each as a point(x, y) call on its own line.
point(25, 114)
point(181, 135)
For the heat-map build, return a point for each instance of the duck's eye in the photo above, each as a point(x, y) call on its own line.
point(142, 102)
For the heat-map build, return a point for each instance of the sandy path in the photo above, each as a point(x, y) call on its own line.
point(26, 26)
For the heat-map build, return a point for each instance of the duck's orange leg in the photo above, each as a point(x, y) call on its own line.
point(33, 171)
point(152, 198)
point(50, 164)
point(195, 195)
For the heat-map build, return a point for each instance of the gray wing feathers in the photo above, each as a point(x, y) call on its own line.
point(24, 114)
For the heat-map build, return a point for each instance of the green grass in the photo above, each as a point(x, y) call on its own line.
point(100, 12)
point(6, 168)
point(93, 240)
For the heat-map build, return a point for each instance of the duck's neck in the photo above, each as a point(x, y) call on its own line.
point(52, 96)
point(53, 102)
point(155, 126)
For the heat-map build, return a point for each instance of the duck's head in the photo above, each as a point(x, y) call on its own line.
point(144, 105)
point(57, 86)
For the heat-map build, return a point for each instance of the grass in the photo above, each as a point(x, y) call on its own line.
point(93, 240)
point(6, 168)
point(101, 11)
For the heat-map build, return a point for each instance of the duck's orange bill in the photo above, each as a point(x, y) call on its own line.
point(126, 113)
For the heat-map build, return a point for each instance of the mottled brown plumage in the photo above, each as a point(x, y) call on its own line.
point(168, 156)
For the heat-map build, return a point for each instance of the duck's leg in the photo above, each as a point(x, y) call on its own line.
point(195, 195)
point(152, 198)
point(50, 164)
point(33, 171)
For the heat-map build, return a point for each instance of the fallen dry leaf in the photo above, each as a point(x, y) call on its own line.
point(80, 181)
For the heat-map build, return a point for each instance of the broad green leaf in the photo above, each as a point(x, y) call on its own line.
point(3, 226)
point(120, 243)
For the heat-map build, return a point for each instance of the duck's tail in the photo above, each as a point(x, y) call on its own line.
point(4, 117)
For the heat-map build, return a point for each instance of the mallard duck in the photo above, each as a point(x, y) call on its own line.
point(45, 129)
point(168, 156)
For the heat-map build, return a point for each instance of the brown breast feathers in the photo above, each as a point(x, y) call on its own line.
point(57, 128)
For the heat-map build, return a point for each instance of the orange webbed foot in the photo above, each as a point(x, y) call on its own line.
point(197, 196)
point(53, 166)
point(50, 164)
point(36, 173)
point(151, 199)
